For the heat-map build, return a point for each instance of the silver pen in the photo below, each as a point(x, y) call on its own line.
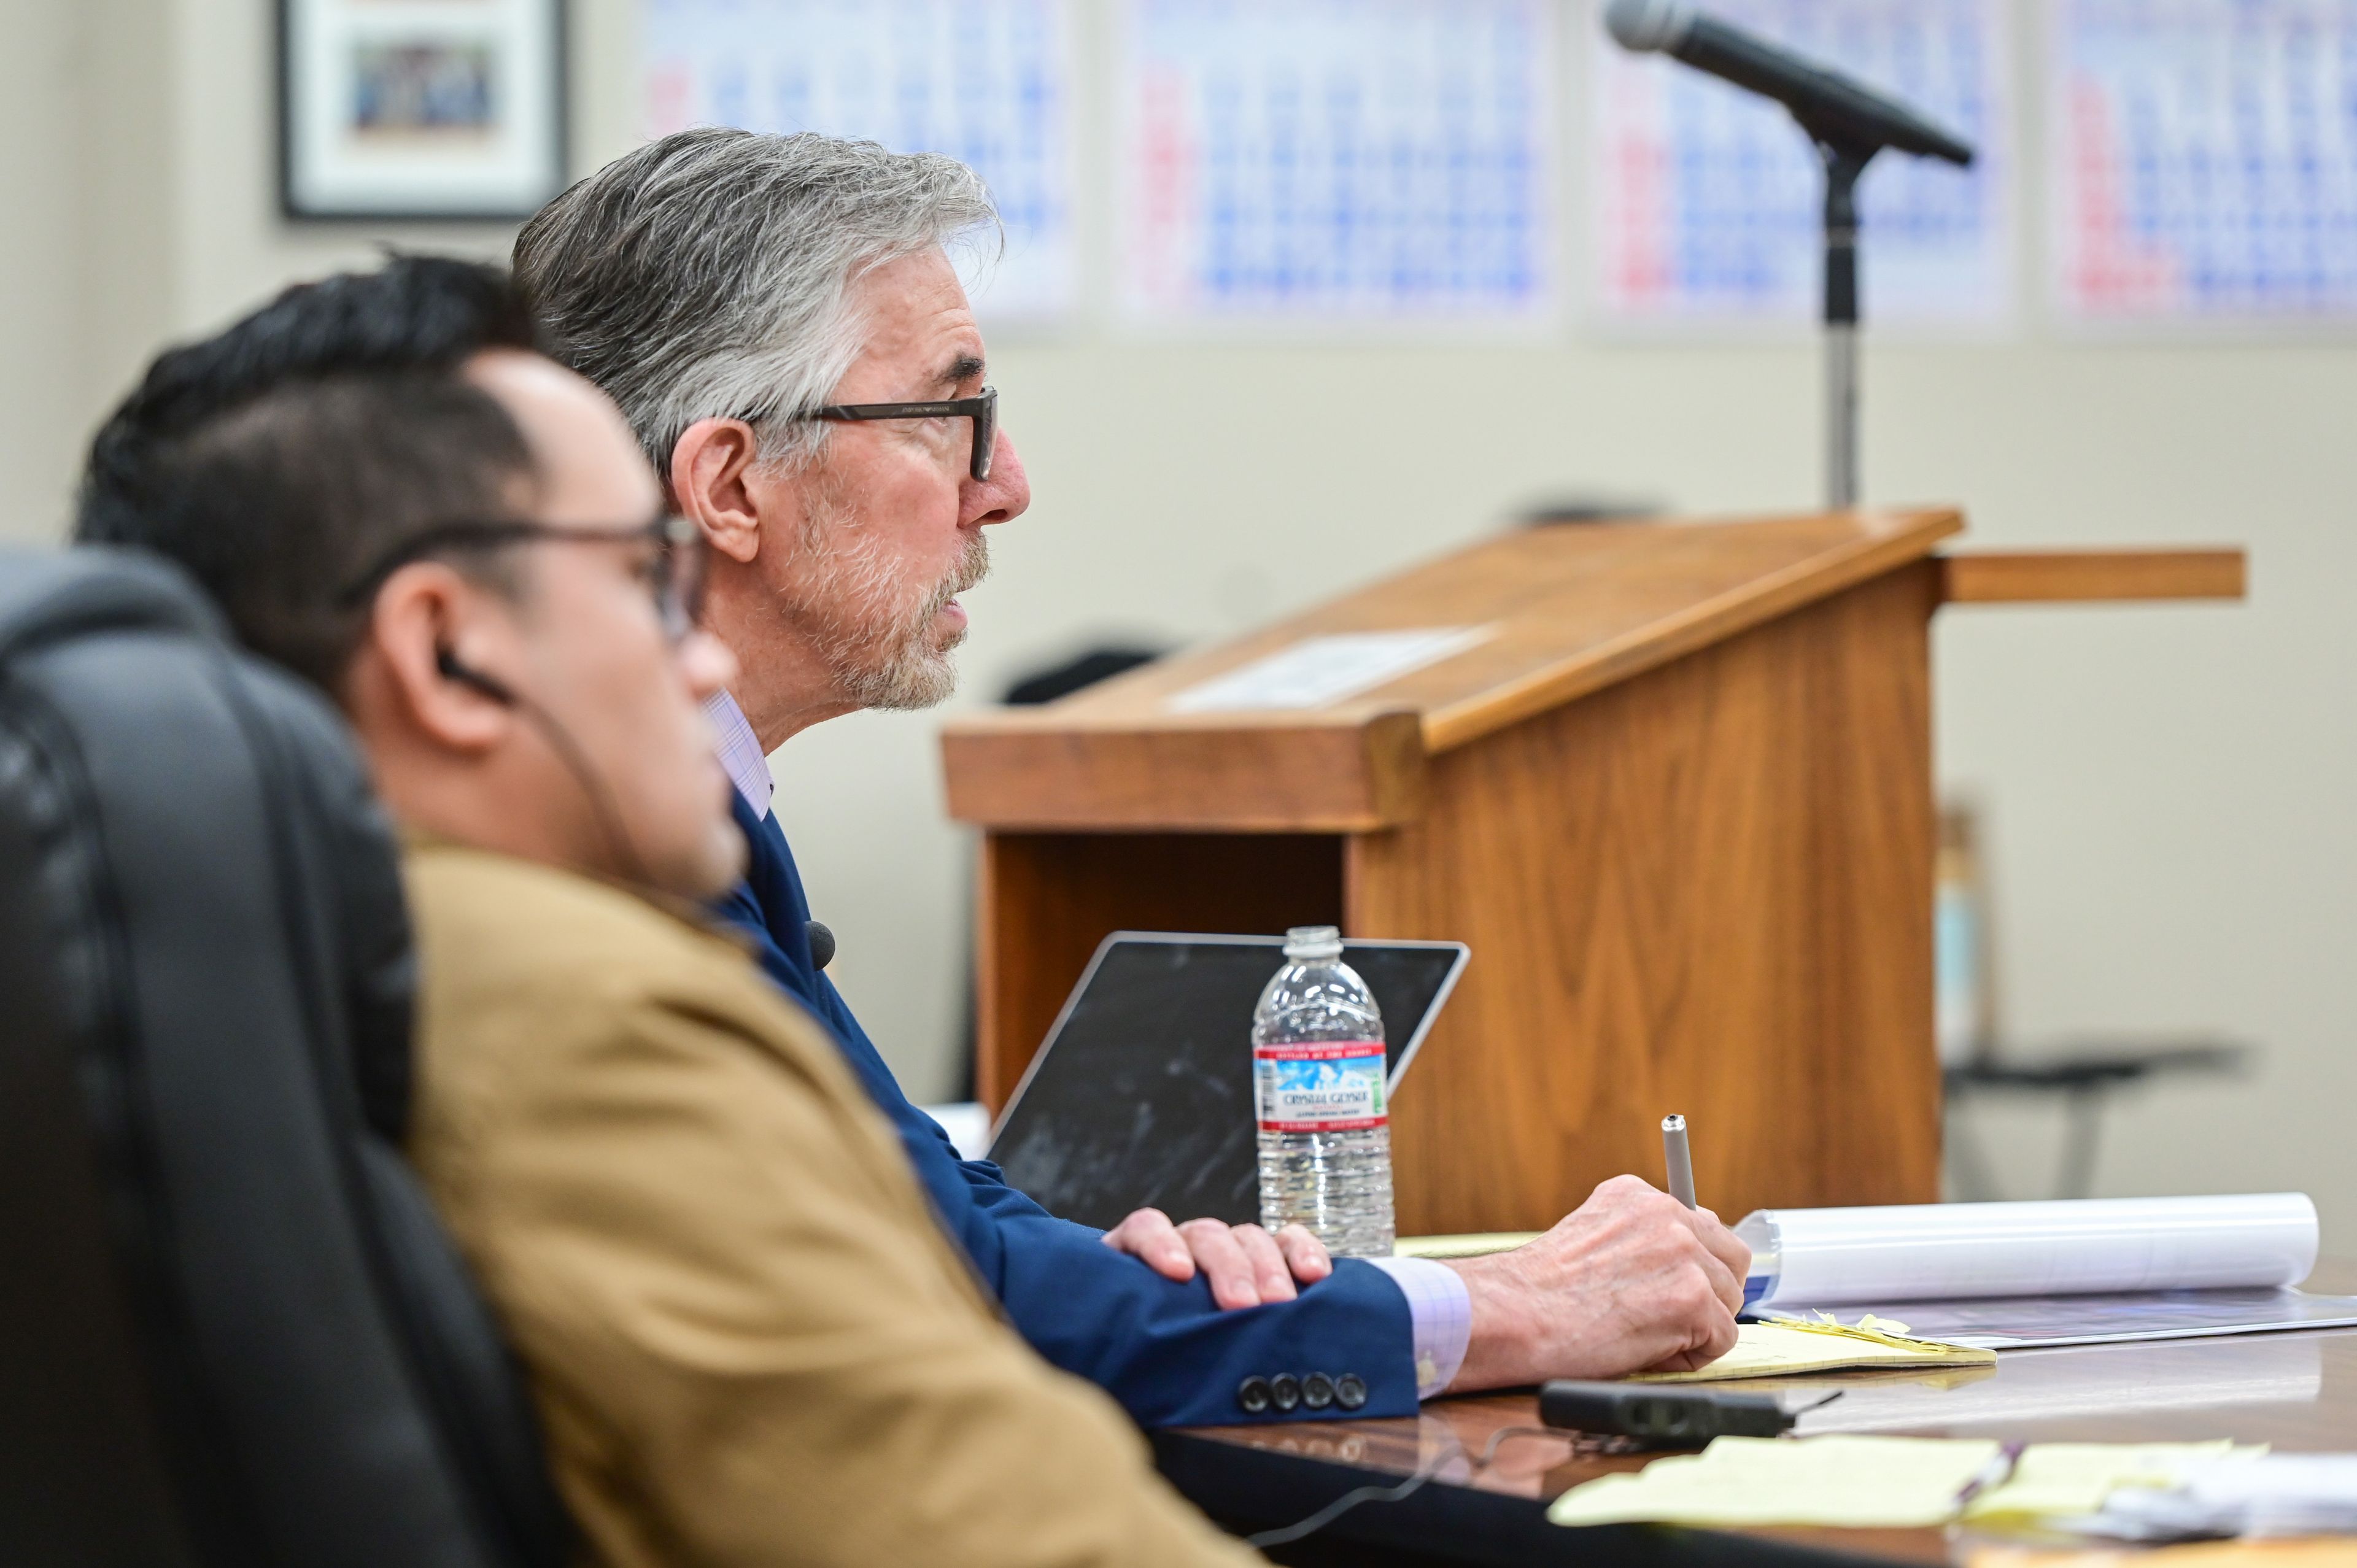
point(1675, 1155)
point(1991, 1475)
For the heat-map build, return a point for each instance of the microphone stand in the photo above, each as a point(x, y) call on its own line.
point(1844, 163)
point(1850, 122)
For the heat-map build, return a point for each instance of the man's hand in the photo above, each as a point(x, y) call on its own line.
point(1244, 1263)
point(1632, 1281)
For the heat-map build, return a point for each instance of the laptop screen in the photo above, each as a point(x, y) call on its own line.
point(1142, 1094)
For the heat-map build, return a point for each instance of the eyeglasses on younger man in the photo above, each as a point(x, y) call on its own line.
point(675, 569)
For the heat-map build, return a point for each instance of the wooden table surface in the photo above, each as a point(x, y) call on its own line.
point(2295, 1390)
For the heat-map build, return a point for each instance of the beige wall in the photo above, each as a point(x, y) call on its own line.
point(72, 317)
point(37, 294)
point(2169, 790)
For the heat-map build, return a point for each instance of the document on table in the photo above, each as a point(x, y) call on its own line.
point(2024, 1322)
point(1870, 1482)
point(1962, 1251)
point(2273, 1494)
point(1785, 1348)
point(2078, 1272)
point(1321, 669)
point(2081, 1385)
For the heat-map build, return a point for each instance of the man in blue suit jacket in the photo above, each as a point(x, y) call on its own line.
point(1164, 1349)
point(780, 319)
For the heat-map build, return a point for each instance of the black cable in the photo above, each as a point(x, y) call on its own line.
point(611, 825)
point(569, 752)
point(1351, 1499)
point(1580, 1442)
point(1489, 1449)
point(1290, 1533)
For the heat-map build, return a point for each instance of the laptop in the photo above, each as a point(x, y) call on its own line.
point(1142, 1094)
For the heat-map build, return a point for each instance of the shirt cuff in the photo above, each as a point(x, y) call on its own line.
point(1440, 1315)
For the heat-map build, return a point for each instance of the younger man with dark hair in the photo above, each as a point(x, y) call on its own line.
point(749, 1341)
point(276, 487)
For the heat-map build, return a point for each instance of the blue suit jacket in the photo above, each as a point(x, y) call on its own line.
point(1163, 1349)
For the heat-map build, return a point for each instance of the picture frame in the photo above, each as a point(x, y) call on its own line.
point(420, 110)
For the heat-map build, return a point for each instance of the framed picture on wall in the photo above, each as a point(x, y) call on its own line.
point(420, 109)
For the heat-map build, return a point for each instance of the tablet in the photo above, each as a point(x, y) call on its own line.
point(1142, 1094)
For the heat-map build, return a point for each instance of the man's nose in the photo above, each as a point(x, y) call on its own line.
point(1003, 497)
point(706, 664)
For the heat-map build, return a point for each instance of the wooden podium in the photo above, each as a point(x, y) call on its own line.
point(1676, 795)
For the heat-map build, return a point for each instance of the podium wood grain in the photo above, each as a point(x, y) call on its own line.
point(1046, 900)
point(1703, 890)
point(1677, 798)
point(2081, 577)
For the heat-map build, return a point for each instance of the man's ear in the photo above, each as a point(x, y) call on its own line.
point(711, 474)
point(426, 621)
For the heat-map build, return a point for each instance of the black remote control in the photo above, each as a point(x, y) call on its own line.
point(1668, 1416)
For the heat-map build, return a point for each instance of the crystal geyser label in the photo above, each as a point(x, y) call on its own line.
point(1330, 1086)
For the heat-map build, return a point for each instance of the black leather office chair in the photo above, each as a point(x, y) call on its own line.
point(232, 1332)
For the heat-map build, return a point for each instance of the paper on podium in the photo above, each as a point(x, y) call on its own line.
point(1321, 669)
point(1787, 1347)
point(1869, 1482)
point(1829, 1257)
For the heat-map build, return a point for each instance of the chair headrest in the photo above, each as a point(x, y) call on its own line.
point(50, 598)
point(203, 1091)
point(45, 595)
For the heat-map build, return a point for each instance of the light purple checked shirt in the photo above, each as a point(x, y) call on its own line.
point(1440, 1313)
point(740, 752)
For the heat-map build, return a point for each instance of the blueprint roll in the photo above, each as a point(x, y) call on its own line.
point(1956, 1252)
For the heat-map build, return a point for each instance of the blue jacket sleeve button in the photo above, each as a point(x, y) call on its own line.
point(1316, 1391)
point(1350, 1390)
point(1284, 1390)
point(1253, 1396)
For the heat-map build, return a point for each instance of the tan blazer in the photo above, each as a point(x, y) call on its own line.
point(750, 1340)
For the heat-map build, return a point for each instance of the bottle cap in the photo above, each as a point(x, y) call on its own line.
point(1309, 943)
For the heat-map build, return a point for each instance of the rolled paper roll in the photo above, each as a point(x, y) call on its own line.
point(1953, 1251)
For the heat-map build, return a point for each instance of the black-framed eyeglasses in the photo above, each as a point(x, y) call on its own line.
point(982, 408)
point(675, 574)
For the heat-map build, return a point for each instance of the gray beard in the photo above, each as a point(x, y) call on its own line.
point(875, 642)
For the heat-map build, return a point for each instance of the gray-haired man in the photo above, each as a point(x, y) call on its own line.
point(779, 318)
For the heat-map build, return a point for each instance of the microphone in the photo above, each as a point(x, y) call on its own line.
point(1830, 106)
point(821, 941)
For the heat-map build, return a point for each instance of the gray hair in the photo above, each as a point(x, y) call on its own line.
point(708, 275)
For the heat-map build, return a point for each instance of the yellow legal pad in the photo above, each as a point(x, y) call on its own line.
point(1789, 1345)
point(1860, 1483)
point(1467, 1246)
point(1783, 1349)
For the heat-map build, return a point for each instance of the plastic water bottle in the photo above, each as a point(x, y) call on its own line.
point(1318, 1091)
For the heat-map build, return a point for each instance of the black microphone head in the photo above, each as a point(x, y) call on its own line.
point(1645, 26)
point(821, 941)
